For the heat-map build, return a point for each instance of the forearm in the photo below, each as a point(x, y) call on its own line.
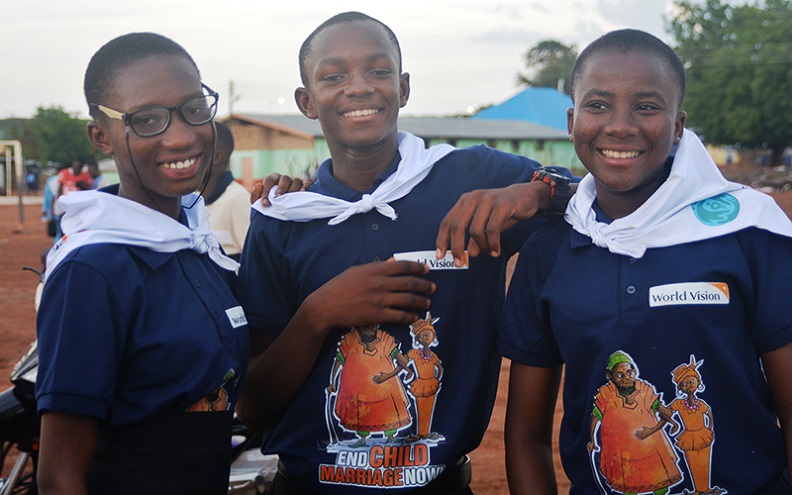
point(529, 466)
point(67, 446)
point(528, 429)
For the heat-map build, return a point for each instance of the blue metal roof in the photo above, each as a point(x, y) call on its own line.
point(543, 106)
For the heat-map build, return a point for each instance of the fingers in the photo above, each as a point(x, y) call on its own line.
point(307, 183)
point(453, 229)
point(256, 194)
point(285, 185)
point(261, 190)
point(374, 293)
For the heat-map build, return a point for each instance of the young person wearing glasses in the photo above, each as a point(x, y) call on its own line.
point(142, 344)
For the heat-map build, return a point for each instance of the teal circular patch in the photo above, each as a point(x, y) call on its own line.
point(717, 210)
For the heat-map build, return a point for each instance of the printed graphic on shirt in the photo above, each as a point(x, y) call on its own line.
point(696, 436)
point(689, 293)
point(631, 430)
point(217, 399)
point(633, 453)
point(717, 210)
point(378, 436)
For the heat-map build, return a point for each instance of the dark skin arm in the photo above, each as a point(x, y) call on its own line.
point(379, 292)
point(529, 429)
point(485, 213)
point(778, 368)
point(68, 442)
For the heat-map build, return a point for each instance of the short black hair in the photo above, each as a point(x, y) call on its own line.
point(225, 140)
point(344, 17)
point(625, 41)
point(119, 53)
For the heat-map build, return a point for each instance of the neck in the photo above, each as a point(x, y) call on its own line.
point(165, 205)
point(358, 168)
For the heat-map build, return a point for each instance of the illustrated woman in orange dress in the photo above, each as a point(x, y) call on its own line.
point(429, 371)
point(695, 440)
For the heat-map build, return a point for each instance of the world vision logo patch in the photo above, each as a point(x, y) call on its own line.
point(689, 293)
point(428, 258)
point(717, 210)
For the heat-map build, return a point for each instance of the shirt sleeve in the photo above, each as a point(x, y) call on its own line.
point(263, 289)
point(525, 332)
point(81, 334)
point(768, 256)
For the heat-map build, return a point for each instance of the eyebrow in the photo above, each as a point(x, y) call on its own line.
point(341, 60)
point(640, 94)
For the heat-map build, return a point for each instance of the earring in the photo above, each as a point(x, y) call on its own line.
point(570, 137)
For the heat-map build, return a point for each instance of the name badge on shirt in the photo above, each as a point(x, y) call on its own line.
point(236, 316)
point(428, 258)
point(689, 293)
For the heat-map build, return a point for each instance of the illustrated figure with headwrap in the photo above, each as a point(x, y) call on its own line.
point(695, 440)
point(429, 371)
point(636, 455)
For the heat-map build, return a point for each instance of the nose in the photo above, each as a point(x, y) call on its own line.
point(358, 85)
point(621, 124)
point(179, 133)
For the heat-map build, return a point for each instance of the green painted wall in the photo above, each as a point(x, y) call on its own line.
point(295, 162)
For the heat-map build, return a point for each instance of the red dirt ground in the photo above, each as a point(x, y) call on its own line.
point(17, 331)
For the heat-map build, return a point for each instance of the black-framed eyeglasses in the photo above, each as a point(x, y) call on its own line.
point(152, 121)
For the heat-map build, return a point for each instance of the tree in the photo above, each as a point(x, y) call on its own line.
point(55, 135)
point(550, 62)
point(738, 71)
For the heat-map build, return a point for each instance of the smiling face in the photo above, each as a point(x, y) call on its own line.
point(165, 167)
point(353, 86)
point(625, 121)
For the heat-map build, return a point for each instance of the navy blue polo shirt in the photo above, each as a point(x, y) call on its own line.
point(126, 333)
point(722, 301)
point(284, 262)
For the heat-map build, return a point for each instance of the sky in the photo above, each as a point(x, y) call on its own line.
point(461, 54)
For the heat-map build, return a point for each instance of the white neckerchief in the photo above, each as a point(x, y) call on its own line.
point(416, 163)
point(94, 217)
point(695, 203)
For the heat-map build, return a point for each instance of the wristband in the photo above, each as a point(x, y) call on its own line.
point(559, 190)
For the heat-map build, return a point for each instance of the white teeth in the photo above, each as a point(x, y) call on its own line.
point(360, 113)
point(179, 165)
point(620, 154)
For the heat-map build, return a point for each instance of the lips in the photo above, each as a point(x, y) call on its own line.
point(361, 113)
point(180, 164)
point(622, 155)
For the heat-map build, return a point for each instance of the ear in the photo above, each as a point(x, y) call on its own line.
point(679, 126)
point(404, 89)
point(570, 121)
point(99, 138)
point(305, 102)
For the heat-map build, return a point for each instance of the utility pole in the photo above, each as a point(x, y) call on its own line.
point(232, 97)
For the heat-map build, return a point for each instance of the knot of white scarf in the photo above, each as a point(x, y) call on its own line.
point(416, 163)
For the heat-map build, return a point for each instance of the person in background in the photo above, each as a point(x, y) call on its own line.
point(662, 272)
point(228, 201)
point(96, 175)
point(70, 179)
point(50, 212)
